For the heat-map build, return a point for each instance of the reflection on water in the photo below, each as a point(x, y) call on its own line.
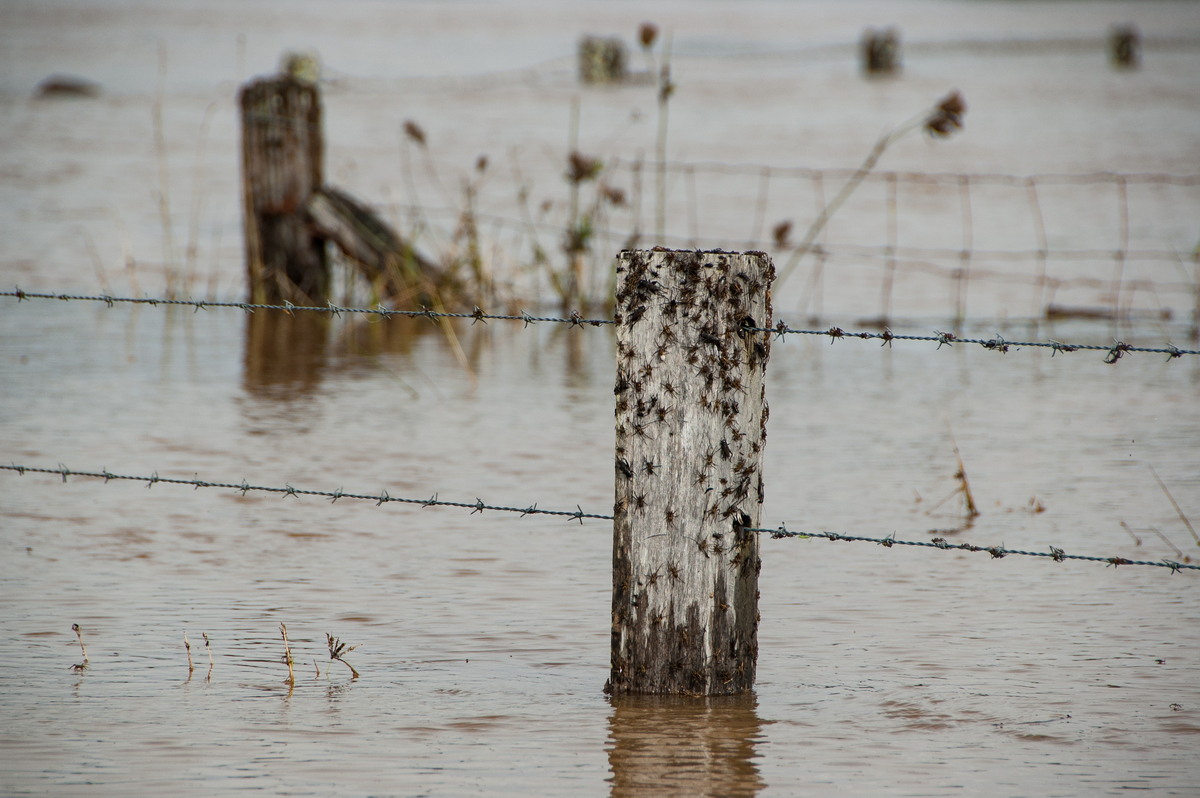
point(289, 355)
point(285, 354)
point(676, 745)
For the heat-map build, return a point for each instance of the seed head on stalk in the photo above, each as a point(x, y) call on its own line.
point(946, 116)
point(337, 649)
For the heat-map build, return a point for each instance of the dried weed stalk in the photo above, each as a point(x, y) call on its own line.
point(939, 121)
point(287, 656)
point(970, 510)
point(78, 630)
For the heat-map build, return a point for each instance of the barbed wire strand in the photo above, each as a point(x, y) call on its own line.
point(478, 506)
point(244, 487)
point(575, 319)
point(997, 552)
point(1113, 352)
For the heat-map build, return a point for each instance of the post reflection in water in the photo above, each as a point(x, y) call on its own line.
point(285, 354)
point(679, 745)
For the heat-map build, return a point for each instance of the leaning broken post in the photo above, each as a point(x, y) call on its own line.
point(690, 427)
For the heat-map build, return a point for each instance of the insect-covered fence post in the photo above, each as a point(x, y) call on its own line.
point(690, 428)
point(282, 167)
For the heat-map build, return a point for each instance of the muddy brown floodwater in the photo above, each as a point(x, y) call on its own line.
point(482, 639)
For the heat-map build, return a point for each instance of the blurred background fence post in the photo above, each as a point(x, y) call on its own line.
point(602, 59)
point(690, 427)
point(880, 51)
point(1124, 47)
point(282, 165)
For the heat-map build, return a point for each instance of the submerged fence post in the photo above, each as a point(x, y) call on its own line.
point(690, 427)
point(282, 167)
point(880, 51)
point(602, 60)
point(1124, 47)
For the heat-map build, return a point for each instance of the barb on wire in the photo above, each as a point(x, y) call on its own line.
point(478, 314)
point(1113, 352)
point(477, 506)
point(997, 552)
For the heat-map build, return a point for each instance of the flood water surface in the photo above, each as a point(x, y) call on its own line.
point(481, 639)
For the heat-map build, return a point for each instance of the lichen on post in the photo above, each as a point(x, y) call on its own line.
point(690, 428)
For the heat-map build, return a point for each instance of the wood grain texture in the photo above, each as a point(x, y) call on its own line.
point(690, 428)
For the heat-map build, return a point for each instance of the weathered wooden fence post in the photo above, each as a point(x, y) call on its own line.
point(282, 165)
point(690, 427)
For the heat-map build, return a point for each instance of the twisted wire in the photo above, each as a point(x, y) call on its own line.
point(478, 506)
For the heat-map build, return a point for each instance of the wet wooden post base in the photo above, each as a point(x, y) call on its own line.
point(282, 167)
point(690, 427)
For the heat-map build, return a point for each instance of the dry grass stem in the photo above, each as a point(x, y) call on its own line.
point(1136, 540)
point(1175, 504)
point(970, 510)
point(78, 630)
point(208, 648)
point(939, 121)
point(164, 188)
point(1178, 552)
point(287, 655)
point(187, 645)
